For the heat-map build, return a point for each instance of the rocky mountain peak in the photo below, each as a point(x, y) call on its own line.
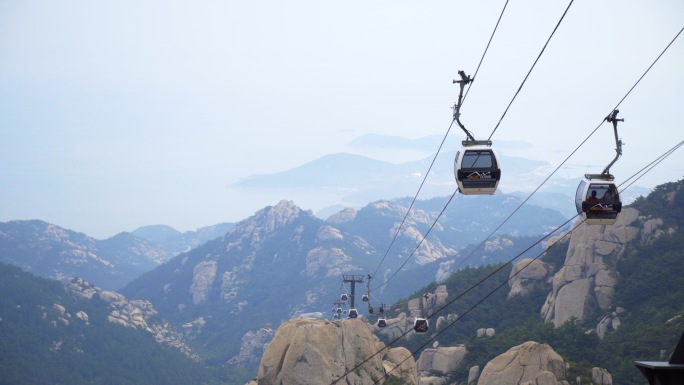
point(271, 218)
point(343, 216)
point(283, 213)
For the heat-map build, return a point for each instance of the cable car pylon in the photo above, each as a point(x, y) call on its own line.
point(353, 279)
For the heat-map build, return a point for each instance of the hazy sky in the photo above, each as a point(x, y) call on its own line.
point(119, 114)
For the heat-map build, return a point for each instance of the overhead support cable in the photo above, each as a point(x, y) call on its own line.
point(530, 71)
point(403, 221)
point(419, 243)
point(486, 48)
point(440, 147)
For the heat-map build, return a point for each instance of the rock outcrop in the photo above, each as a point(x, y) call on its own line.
point(609, 323)
point(333, 261)
point(309, 351)
point(129, 313)
point(586, 282)
point(530, 363)
point(252, 347)
point(422, 306)
point(485, 332)
point(203, 275)
point(442, 360)
point(525, 273)
point(428, 303)
point(473, 375)
point(399, 362)
point(601, 376)
point(396, 327)
point(344, 216)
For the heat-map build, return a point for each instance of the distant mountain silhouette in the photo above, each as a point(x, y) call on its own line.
point(353, 180)
point(176, 242)
point(156, 233)
point(50, 251)
point(54, 252)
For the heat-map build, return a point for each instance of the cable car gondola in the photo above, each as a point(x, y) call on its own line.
point(597, 198)
point(420, 325)
point(382, 322)
point(365, 298)
point(344, 297)
point(476, 168)
point(353, 313)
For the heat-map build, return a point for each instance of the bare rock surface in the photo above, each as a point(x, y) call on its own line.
point(585, 284)
point(399, 362)
point(528, 363)
point(442, 359)
point(310, 351)
point(525, 272)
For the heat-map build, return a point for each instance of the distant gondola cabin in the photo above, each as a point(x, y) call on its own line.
point(420, 325)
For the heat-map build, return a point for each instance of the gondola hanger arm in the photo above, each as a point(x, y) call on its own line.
point(465, 79)
point(612, 118)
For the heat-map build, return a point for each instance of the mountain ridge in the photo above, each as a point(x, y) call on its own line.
point(284, 261)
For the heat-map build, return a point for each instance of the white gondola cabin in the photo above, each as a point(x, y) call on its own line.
point(476, 168)
point(420, 325)
point(353, 313)
point(382, 322)
point(597, 199)
point(344, 297)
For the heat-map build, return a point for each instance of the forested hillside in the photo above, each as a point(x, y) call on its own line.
point(50, 337)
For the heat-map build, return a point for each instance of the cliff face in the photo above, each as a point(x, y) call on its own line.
point(308, 351)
